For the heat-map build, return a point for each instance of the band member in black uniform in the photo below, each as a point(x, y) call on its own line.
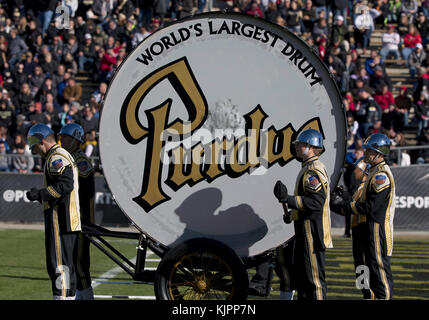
point(377, 204)
point(357, 221)
point(72, 135)
point(61, 209)
point(311, 216)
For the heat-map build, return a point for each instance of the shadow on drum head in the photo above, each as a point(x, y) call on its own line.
point(238, 226)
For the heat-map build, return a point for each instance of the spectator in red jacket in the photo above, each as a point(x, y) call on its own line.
point(322, 48)
point(410, 40)
point(107, 63)
point(384, 98)
point(255, 10)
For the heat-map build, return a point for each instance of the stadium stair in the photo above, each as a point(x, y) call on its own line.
point(87, 84)
point(399, 75)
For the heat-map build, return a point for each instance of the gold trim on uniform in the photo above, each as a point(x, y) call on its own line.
point(294, 215)
point(326, 214)
point(53, 193)
point(379, 260)
point(298, 200)
point(313, 164)
point(354, 209)
point(58, 250)
point(74, 212)
point(387, 222)
point(390, 210)
point(313, 260)
point(74, 207)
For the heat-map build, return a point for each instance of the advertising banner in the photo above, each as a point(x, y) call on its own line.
point(15, 207)
point(411, 201)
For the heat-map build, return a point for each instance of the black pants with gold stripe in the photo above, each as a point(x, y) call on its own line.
point(309, 266)
point(284, 266)
point(83, 263)
point(358, 240)
point(60, 247)
point(380, 274)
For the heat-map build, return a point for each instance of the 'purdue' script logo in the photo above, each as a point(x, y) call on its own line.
point(233, 155)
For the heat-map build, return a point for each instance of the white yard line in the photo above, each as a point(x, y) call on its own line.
point(112, 273)
point(109, 274)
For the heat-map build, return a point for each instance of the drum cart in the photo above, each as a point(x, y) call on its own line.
point(196, 269)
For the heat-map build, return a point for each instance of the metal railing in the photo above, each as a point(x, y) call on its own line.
point(96, 160)
point(37, 159)
point(400, 150)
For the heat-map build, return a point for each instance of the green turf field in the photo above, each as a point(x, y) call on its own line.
point(23, 274)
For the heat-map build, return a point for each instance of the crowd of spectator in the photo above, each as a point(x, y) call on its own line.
point(41, 60)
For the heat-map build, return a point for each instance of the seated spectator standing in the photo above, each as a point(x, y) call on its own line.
point(364, 26)
point(308, 15)
point(349, 69)
point(108, 61)
point(422, 113)
point(86, 53)
point(421, 84)
point(17, 47)
point(340, 34)
point(422, 26)
point(336, 67)
point(416, 59)
point(392, 119)
point(19, 77)
point(403, 103)
point(390, 43)
point(293, 18)
point(423, 154)
point(368, 112)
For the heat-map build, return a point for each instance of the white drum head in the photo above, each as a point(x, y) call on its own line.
point(197, 127)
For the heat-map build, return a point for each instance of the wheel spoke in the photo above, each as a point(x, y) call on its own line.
point(202, 274)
